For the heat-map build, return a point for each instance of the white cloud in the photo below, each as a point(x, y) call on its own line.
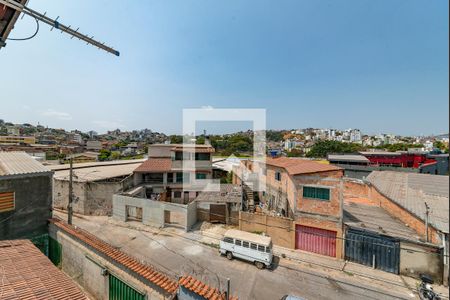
point(108, 124)
point(26, 107)
point(60, 115)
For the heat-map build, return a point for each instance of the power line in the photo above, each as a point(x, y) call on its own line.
point(31, 36)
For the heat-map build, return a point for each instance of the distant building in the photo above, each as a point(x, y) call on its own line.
point(25, 196)
point(94, 145)
point(17, 140)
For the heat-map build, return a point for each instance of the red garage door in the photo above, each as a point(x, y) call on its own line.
point(315, 240)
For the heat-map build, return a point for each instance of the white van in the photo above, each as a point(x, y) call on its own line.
point(247, 246)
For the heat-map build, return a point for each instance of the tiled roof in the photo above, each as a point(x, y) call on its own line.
point(202, 289)
point(145, 271)
point(296, 166)
point(27, 274)
point(412, 190)
point(155, 165)
point(17, 163)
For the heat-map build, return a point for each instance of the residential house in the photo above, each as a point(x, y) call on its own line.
point(306, 196)
point(94, 145)
point(174, 172)
point(25, 196)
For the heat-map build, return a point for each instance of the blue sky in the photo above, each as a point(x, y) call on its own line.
point(381, 66)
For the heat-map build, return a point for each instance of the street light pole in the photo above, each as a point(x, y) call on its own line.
point(69, 206)
point(427, 212)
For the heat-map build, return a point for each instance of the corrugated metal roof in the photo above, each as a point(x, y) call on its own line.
point(412, 190)
point(375, 218)
point(16, 163)
point(95, 164)
point(349, 157)
point(97, 173)
point(28, 274)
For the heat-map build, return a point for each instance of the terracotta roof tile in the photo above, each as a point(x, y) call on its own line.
point(155, 277)
point(198, 287)
point(28, 274)
point(155, 165)
point(296, 166)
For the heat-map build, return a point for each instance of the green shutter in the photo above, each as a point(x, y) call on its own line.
point(119, 290)
point(316, 193)
point(54, 251)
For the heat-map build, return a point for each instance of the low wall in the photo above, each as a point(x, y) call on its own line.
point(278, 228)
point(84, 265)
point(354, 188)
point(155, 213)
point(418, 259)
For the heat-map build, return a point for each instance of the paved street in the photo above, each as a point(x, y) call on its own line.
point(175, 253)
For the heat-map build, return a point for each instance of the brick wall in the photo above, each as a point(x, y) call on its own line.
point(278, 228)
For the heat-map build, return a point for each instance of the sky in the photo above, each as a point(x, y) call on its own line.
point(380, 66)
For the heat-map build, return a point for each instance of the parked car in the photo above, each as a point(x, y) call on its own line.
point(248, 246)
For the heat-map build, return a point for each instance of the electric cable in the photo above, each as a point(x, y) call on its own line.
point(31, 36)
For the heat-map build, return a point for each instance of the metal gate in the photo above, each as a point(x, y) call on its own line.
point(119, 290)
point(217, 213)
point(372, 249)
point(134, 213)
point(315, 240)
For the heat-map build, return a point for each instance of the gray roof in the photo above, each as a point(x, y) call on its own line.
point(380, 153)
point(349, 157)
point(18, 163)
point(412, 190)
point(375, 218)
point(97, 173)
point(228, 193)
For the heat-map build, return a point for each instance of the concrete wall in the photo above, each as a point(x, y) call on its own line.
point(418, 259)
point(33, 202)
point(154, 212)
point(90, 198)
point(84, 265)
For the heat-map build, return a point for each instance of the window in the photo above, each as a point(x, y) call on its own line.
point(169, 177)
point(202, 156)
point(316, 193)
point(277, 176)
point(179, 155)
point(237, 242)
point(228, 240)
point(200, 176)
point(245, 244)
point(179, 177)
point(261, 248)
point(253, 246)
point(177, 194)
point(7, 202)
point(268, 249)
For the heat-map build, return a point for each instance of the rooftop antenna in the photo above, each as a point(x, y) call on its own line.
point(54, 23)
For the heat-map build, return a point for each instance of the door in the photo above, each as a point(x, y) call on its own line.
point(217, 213)
point(315, 240)
point(372, 249)
point(134, 213)
point(119, 290)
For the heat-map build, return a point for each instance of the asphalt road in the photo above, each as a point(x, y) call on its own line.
point(177, 255)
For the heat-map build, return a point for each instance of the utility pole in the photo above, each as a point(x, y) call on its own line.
point(427, 212)
point(69, 206)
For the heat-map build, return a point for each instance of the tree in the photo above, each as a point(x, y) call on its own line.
point(323, 148)
point(295, 153)
point(104, 155)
